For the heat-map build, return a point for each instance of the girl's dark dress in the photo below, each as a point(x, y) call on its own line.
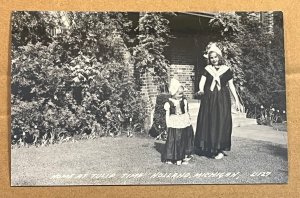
point(180, 140)
point(214, 124)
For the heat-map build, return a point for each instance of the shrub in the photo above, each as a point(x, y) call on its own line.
point(77, 85)
point(255, 54)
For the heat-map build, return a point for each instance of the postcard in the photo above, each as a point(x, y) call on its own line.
point(148, 98)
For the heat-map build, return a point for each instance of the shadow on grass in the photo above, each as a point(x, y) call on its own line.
point(160, 148)
point(277, 151)
point(280, 126)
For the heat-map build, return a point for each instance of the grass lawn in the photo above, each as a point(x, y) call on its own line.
point(137, 160)
point(280, 126)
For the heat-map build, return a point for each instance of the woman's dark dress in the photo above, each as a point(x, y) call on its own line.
point(214, 125)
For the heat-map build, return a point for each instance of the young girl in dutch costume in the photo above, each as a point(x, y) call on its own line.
point(179, 145)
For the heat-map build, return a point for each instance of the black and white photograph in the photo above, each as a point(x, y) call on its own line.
point(148, 98)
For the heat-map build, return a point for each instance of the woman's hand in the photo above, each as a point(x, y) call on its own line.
point(239, 106)
point(200, 93)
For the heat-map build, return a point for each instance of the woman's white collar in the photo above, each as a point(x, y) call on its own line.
point(216, 75)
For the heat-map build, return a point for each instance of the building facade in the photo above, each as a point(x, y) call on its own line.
point(191, 34)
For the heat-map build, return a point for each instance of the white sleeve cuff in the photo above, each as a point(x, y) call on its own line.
point(167, 106)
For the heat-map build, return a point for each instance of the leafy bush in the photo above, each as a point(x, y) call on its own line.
point(153, 37)
point(78, 84)
point(256, 56)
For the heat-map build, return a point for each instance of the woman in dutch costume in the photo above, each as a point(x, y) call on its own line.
point(214, 124)
point(179, 145)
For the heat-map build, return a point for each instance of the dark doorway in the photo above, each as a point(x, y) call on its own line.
point(191, 36)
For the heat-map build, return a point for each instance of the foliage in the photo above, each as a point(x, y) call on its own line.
point(226, 25)
point(153, 37)
point(79, 83)
point(32, 27)
point(255, 54)
point(263, 62)
point(228, 29)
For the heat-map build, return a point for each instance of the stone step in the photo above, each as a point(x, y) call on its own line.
point(238, 115)
point(235, 123)
point(238, 120)
point(243, 122)
point(194, 109)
